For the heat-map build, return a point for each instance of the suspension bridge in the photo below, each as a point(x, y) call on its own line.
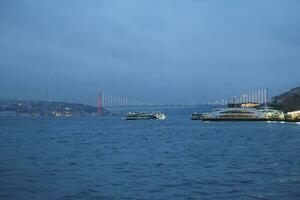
point(107, 100)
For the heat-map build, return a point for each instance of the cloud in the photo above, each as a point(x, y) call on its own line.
point(148, 48)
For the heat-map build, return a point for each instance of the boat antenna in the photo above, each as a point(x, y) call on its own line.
point(233, 101)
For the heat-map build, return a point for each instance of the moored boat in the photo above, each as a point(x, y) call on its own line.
point(196, 116)
point(241, 113)
point(234, 114)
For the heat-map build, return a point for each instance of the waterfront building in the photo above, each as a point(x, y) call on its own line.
point(295, 115)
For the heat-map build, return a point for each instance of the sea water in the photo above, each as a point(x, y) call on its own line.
point(110, 158)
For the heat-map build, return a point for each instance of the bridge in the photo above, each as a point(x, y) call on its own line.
point(107, 101)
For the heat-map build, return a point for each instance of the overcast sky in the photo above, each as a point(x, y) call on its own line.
point(159, 50)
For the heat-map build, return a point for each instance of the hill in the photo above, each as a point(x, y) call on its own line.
point(288, 101)
point(47, 108)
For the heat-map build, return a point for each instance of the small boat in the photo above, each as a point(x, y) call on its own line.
point(144, 116)
point(196, 116)
point(159, 116)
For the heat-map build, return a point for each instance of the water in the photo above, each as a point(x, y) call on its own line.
point(107, 158)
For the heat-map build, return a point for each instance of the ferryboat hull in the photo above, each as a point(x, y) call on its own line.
point(247, 114)
point(144, 116)
point(218, 119)
point(266, 120)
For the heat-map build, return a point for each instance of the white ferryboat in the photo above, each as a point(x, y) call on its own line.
point(144, 116)
point(243, 112)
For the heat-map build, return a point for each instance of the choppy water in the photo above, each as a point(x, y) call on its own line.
point(107, 158)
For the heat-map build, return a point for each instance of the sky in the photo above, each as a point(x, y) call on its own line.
point(167, 51)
